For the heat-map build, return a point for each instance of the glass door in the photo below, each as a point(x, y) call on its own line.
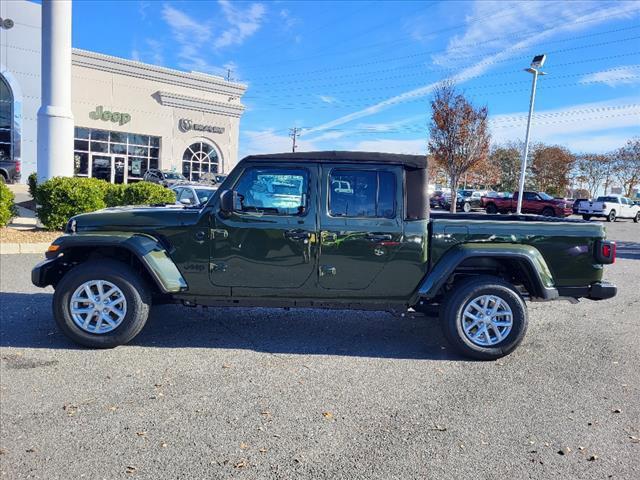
point(119, 169)
point(101, 167)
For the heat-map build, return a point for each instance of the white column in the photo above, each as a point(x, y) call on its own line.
point(55, 119)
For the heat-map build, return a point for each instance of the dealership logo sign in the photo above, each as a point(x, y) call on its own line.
point(186, 125)
point(105, 115)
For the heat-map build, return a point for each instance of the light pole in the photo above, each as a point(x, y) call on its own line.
point(536, 65)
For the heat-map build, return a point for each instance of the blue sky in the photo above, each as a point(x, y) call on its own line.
point(359, 75)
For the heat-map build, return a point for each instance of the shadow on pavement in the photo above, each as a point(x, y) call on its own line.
point(27, 322)
point(628, 250)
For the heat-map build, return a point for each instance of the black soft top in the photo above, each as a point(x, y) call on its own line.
point(412, 161)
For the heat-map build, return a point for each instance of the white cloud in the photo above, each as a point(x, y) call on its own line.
point(570, 20)
point(184, 28)
point(625, 75)
point(573, 126)
point(243, 23)
point(327, 99)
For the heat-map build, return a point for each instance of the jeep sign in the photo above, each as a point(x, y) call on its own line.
point(116, 117)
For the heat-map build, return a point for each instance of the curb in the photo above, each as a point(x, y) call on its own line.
point(17, 248)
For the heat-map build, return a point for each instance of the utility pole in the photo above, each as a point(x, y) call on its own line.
point(536, 65)
point(294, 133)
point(228, 74)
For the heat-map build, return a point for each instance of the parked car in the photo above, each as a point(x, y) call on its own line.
point(466, 200)
point(10, 170)
point(163, 177)
point(576, 204)
point(610, 207)
point(193, 195)
point(436, 200)
point(372, 247)
point(538, 203)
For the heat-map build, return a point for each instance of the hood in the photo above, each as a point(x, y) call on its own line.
point(136, 217)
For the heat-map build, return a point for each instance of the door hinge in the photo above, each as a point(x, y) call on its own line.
point(218, 267)
point(219, 233)
point(327, 270)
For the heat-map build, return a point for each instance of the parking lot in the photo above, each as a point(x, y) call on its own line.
point(269, 393)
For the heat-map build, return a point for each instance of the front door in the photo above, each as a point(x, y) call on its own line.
point(360, 224)
point(112, 168)
point(269, 242)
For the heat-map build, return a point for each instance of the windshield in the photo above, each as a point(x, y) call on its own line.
point(204, 194)
point(607, 199)
point(465, 193)
point(173, 176)
point(544, 196)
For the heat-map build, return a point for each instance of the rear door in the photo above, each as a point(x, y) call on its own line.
point(361, 213)
point(531, 203)
point(269, 241)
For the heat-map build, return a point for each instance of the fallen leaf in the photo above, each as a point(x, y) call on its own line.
point(2, 451)
point(30, 450)
point(266, 413)
point(262, 450)
point(327, 414)
point(141, 434)
point(240, 464)
point(70, 409)
point(581, 448)
point(131, 470)
point(593, 458)
point(113, 408)
point(244, 446)
point(564, 451)
point(163, 444)
point(617, 410)
point(226, 365)
point(439, 428)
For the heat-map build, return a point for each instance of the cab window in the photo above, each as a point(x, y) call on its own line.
point(362, 193)
point(274, 191)
point(187, 194)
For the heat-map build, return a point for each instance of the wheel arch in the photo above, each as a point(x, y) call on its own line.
point(145, 253)
point(509, 261)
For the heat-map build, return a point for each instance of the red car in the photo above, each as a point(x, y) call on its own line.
point(538, 203)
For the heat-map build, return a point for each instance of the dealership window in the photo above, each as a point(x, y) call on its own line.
point(200, 161)
point(105, 154)
point(6, 119)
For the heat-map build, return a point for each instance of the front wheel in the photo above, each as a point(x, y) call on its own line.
point(586, 217)
point(548, 212)
point(101, 304)
point(484, 317)
point(636, 219)
point(612, 216)
point(492, 209)
point(466, 207)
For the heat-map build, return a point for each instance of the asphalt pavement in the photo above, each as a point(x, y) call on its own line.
point(269, 393)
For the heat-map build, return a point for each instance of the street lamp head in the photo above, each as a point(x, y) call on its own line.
point(538, 61)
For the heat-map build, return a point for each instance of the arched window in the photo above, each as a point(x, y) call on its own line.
point(199, 160)
point(6, 119)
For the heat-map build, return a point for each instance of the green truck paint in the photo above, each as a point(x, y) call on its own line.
point(218, 255)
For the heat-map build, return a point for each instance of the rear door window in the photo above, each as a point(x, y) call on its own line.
point(362, 193)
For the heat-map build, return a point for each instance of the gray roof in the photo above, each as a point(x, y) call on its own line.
point(329, 156)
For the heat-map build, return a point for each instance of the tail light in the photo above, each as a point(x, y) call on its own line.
point(605, 251)
point(18, 166)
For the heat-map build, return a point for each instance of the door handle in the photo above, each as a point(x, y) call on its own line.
point(297, 235)
point(378, 237)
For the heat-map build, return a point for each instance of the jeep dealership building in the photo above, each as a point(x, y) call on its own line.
point(128, 116)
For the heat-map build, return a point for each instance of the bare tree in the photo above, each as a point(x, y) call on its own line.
point(592, 170)
point(459, 137)
point(627, 166)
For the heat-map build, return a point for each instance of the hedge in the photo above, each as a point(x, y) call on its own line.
point(32, 181)
point(7, 207)
point(60, 198)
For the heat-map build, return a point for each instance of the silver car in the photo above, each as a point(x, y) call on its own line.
point(193, 195)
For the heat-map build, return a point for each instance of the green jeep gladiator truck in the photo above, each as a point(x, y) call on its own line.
point(346, 230)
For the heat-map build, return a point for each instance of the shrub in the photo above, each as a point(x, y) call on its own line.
point(7, 207)
point(60, 198)
point(32, 181)
point(147, 193)
point(114, 195)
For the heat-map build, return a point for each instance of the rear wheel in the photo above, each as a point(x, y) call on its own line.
point(612, 216)
point(466, 207)
point(586, 217)
point(492, 209)
point(101, 304)
point(636, 219)
point(548, 212)
point(484, 317)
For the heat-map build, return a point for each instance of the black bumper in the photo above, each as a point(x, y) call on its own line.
point(595, 291)
point(43, 273)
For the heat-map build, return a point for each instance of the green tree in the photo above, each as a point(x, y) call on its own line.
point(551, 168)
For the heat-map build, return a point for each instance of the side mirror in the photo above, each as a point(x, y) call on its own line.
point(228, 201)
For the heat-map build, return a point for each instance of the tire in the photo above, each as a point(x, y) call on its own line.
point(492, 209)
point(548, 212)
point(136, 293)
point(586, 217)
point(466, 207)
point(612, 216)
point(636, 219)
point(461, 297)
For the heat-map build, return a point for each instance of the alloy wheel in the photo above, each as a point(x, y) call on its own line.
point(98, 306)
point(487, 320)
